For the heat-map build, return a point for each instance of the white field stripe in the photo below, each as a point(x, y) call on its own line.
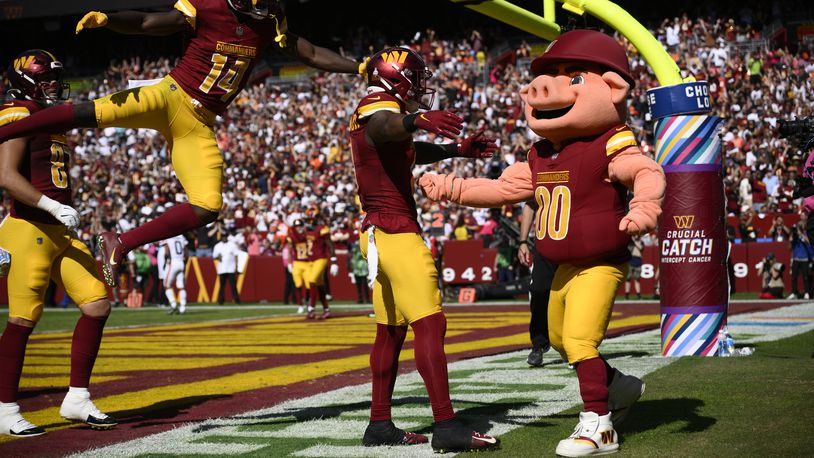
point(343, 414)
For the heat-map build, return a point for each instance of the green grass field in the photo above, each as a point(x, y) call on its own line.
point(756, 406)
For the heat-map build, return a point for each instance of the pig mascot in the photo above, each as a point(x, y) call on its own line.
point(579, 174)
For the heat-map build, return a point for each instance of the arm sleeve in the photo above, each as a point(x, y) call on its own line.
point(513, 186)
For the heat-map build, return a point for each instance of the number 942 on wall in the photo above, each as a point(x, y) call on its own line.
point(483, 274)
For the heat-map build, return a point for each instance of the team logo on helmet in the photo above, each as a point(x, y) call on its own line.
point(402, 73)
point(37, 75)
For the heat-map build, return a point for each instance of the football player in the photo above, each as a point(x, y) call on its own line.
point(318, 238)
point(174, 268)
point(298, 241)
point(38, 233)
point(228, 38)
point(405, 289)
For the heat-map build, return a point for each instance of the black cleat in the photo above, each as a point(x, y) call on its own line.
point(384, 432)
point(535, 357)
point(453, 436)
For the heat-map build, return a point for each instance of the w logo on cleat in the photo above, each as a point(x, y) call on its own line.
point(607, 437)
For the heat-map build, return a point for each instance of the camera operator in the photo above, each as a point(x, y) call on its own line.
point(542, 274)
point(801, 256)
point(771, 274)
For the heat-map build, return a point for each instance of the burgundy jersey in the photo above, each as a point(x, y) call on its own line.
point(45, 164)
point(223, 50)
point(318, 241)
point(384, 174)
point(579, 208)
point(302, 247)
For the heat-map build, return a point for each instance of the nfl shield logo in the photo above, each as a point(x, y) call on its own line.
point(39, 240)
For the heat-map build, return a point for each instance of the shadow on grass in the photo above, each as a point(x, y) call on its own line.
point(647, 415)
point(165, 410)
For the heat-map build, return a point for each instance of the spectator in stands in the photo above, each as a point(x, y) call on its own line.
point(779, 232)
point(771, 273)
point(226, 253)
point(801, 257)
point(747, 229)
point(205, 235)
point(460, 231)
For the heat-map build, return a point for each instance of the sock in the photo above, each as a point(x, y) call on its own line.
point(170, 297)
point(12, 355)
point(593, 385)
point(431, 362)
point(84, 347)
point(384, 365)
point(322, 297)
point(182, 298)
point(176, 220)
point(313, 300)
point(52, 120)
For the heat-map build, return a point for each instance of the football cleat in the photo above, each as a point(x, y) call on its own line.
point(384, 432)
point(112, 253)
point(452, 436)
point(301, 310)
point(623, 392)
point(594, 435)
point(325, 315)
point(311, 314)
point(79, 407)
point(172, 311)
point(535, 357)
point(13, 424)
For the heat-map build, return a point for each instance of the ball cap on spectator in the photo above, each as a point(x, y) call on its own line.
point(585, 46)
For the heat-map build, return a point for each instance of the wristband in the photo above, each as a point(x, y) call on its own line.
point(48, 204)
point(409, 122)
point(451, 149)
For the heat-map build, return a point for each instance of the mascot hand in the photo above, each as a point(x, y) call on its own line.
point(432, 185)
point(92, 20)
point(635, 223)
point(477, 146)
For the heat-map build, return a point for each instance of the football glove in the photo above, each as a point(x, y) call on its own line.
point(363, 66)
point(92, 20)
point(477, 146)
point(65, 214)
point(334, 270)
point(444, 123)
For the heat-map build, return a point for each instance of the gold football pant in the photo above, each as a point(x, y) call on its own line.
point(406, 287)
point(299, 270)
point(187, 126)
point(315, 275)
point(580, 307)
point(40, 252)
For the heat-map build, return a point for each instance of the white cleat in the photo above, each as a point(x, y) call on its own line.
point(13, 424)
point(623, 392)
point(301, 310)
point(594, 435)
point(79, 407)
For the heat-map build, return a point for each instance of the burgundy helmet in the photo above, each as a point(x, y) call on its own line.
point(33, 73)
point(259, 9)
point(588, 46)
point(402, 73)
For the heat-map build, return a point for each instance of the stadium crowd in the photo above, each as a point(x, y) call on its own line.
point(287, 150)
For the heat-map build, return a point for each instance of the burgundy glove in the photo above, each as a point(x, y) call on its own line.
point(477, 146)
point(444, 123)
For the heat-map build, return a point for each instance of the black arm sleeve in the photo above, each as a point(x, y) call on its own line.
point(428, 153)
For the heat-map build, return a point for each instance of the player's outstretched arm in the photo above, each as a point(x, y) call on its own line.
point(513, 186)
point(318, 57)
point(12, 153)
point(475, 146)
point(645, 178)
point(135, 22)
point(387, 126)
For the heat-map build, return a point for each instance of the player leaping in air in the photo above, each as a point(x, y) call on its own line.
point(228, 38)
point(38, 233)
point(405, 291)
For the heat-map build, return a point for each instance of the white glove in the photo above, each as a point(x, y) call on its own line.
point(290, 268)
point(65, 214)
point(352, 279)
point(334, 270)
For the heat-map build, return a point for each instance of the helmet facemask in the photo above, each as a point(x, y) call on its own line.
point(258, 9)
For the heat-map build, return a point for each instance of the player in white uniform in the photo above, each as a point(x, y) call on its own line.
point(174, 266)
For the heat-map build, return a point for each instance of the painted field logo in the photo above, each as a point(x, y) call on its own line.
point(684, 221)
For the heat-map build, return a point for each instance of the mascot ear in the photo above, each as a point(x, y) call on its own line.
point(619, 87)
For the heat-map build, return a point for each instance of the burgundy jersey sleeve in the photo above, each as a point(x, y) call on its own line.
point(318, 238)
point(45, 164)
point(222, 51)
point(384, 173)
point(579, 208)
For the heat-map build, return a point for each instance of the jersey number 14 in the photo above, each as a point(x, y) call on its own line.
point(229, 81)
